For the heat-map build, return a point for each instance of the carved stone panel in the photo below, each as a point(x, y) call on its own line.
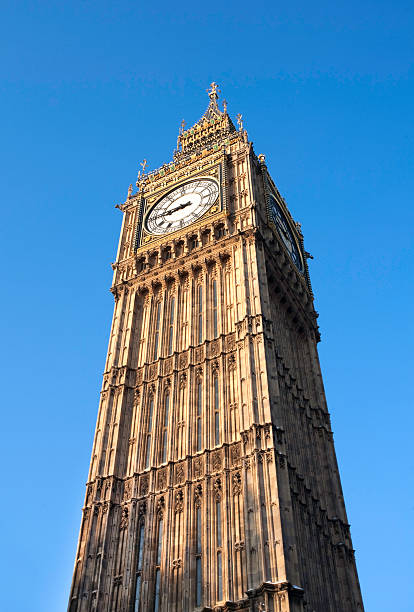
point(127, 490)
point(168, 365)
point(152, 371)
point(231, 342)
point(179, 473)
point(198, 467)
point(162, 478)
point(183, 360)
point(235, 453)
point(216, 461)
point(144, 484)
point(215, 348)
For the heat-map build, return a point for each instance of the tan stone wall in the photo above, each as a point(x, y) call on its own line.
point(266, 489)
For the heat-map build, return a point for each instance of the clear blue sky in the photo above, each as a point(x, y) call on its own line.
point(88, 89)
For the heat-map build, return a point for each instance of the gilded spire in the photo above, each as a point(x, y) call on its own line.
point(214, 126)
point(213, 111)
point(212, 92)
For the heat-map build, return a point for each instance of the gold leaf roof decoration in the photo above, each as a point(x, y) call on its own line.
point(210, 133)
point(213, 126)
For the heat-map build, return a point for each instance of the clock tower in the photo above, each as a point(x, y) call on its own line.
point(213, 482)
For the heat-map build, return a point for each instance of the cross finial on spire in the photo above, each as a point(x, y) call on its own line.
point(213, 91)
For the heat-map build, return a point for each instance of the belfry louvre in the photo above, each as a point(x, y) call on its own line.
point(213, 482)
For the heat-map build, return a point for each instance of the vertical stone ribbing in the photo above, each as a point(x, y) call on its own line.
point(273, 523)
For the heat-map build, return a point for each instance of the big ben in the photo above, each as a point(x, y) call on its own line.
point(213, 482)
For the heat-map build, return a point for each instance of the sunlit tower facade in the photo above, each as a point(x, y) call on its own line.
point(213, 482)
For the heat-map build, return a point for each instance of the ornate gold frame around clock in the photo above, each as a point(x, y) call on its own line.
point(215, 172)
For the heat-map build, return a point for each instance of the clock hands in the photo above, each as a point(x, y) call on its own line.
point(181, 206)
point(170, 212)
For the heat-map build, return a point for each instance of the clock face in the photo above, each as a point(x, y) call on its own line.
point(182, 206)
point(285, 233)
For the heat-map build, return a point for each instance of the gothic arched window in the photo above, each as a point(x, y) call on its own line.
point(214, 308)
point(193, 242)
point(158, 566)
point(157, 330)
point(179, 248)
point(184, 316)
point(199, 407)
point(149, 432)
point(219, 566)
point(171, 326)
point(198, 567)
point(216, 411)
point(141, 264)
point(220, 231)
point(138, 577)
point(165, 427)
point(200, 313)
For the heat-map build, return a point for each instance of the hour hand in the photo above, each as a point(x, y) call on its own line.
point(173, 210)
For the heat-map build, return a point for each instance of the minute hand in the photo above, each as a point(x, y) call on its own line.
point(170, 212)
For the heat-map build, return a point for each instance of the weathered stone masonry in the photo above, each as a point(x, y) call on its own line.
point(213, 482)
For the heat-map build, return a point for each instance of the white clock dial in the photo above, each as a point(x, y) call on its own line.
point(182, 206)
